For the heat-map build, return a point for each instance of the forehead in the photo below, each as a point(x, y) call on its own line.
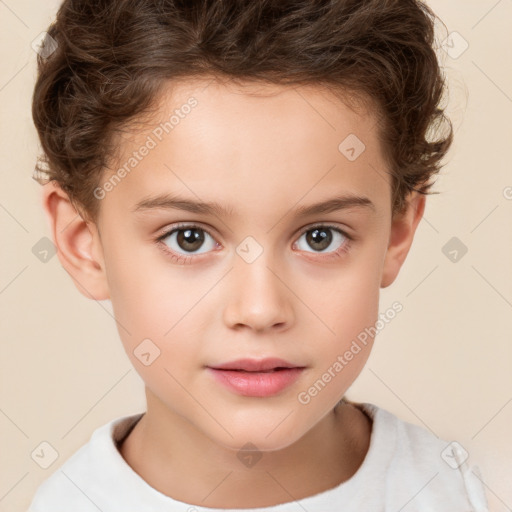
point(232, 142)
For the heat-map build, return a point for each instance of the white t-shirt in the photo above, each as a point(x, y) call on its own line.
point(406, 468)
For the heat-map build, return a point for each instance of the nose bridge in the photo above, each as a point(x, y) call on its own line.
point(258, 297)
point(255, 270)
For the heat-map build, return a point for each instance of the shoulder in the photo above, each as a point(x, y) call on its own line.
point(423, 469)
point(74, 485)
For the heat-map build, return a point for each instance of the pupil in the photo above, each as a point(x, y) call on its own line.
point(323, 237)
point(190, 239)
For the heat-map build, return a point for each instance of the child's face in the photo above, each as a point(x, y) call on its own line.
point(257, 282)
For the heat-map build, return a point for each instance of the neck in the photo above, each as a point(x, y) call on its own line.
point(180, 461)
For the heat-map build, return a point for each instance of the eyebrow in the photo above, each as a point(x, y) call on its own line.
point(174, 202)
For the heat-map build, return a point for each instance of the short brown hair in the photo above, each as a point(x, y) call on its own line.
point(114, 56)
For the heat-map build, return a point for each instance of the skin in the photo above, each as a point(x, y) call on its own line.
point(263, 152)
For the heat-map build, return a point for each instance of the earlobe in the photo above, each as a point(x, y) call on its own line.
point(78, 244)
point(403, 228)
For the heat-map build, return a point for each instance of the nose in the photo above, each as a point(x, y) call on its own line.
point(259, 298)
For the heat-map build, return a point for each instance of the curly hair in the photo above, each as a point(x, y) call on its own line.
point(113, 57)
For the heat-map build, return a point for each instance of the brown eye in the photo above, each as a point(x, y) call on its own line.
point(187, 240)
point(320, 238)
point(190, 239)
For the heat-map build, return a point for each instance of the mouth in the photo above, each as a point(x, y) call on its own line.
point(257, 365)
point(257, 378)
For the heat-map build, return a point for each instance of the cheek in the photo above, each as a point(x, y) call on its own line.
point(155, 330)
point(137, 280)
point(141, 308)
point(346, 309)
point(347, 299)
point(155, 311)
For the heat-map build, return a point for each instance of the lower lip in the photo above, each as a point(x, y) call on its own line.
point(257, 383)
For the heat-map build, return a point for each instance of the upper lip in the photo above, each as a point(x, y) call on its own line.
point(256, 365)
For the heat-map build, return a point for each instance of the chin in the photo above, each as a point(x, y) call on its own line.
point(259, 435)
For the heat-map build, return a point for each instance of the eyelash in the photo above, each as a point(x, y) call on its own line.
point(179, 258)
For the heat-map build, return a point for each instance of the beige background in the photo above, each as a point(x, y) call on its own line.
point(444, 363)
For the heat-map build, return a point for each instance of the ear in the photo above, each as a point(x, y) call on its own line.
point(403, 228)
point(78, 243)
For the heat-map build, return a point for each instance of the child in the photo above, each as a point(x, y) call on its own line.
point(253, 131)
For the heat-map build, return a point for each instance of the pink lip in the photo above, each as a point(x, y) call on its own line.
point(255, 365)
point(250, 377)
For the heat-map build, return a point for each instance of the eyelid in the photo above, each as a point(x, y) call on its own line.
point(315, 225)
point(166, 231)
